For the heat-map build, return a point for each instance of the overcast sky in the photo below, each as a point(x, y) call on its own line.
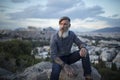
point(86, 15)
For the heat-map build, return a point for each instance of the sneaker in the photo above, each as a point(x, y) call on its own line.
point(88, 77)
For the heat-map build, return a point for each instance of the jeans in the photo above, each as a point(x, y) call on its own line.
point(69, 59)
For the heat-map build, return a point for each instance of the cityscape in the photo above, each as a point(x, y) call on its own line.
point(102, 46)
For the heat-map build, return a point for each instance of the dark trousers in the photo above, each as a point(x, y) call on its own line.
point(69, 59)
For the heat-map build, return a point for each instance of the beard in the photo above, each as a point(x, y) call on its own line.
point(63, 34)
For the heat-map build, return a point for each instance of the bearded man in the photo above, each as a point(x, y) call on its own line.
point(60, 46)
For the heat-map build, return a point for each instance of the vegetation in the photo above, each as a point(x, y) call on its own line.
point(39, 43)
point(108, 73)
point(15, 55)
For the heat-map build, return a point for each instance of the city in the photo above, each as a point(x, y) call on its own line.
point(103, 47)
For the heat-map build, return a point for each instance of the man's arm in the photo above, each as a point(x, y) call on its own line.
point(68, 69)
point(81, 46)
point(54, 51)
point(78, 42)
point(59, 61)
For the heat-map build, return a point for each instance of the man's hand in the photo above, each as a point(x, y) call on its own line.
point(83, 52)
point(69, 70)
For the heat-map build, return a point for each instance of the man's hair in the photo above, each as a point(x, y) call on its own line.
point(64, 18)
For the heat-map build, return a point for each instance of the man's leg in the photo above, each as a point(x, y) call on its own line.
point(86, 65)
point(75, 56)
point(56, 69)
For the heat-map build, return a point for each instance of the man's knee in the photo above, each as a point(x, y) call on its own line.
point(56, 68)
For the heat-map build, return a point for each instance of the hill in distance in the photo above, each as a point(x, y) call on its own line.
point(50, 29)
point(111, 29)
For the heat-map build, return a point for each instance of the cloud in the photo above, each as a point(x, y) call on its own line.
point(8, 24)
point(86, 12)
point(51, 10)
point(18, 1)
point(63, 3)
point(40, 22)
point(55, 9)
point(115, 15)
point(93, 24)
point(36, 11)
point(113, 22)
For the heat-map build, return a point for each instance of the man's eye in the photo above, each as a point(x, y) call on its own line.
point(64, 24)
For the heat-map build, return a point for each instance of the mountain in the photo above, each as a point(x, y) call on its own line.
point(111, 29)
point(49, 29)
point(20, 29)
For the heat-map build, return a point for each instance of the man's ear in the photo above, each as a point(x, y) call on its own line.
point(69, 25)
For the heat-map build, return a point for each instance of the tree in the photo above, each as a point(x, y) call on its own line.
point(114, 67)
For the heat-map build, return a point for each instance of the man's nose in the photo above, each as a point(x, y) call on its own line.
point(62, 26)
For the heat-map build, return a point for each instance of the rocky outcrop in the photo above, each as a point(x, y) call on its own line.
point(108, 54)
point(78, 68)
point(4, 72)
point(41, 71)
point(117, 60)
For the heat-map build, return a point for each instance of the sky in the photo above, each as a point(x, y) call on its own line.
point(86, 15)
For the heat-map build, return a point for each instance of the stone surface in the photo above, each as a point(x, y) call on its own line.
point(42, 71)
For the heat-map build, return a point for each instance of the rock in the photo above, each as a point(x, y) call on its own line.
point(108, 54)
point(78, 68)
point(42, 71)
point(4, 72)
point(36, 72)
point(116, 60)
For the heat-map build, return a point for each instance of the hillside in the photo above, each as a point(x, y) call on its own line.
point(111, 29)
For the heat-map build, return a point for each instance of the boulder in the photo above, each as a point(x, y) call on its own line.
point(79, 70)
point(42, 71)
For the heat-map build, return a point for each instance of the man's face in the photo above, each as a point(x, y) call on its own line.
point(64, 25)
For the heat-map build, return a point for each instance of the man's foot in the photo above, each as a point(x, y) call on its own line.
point(88, 77)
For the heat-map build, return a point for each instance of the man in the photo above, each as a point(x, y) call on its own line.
point(60, 45)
